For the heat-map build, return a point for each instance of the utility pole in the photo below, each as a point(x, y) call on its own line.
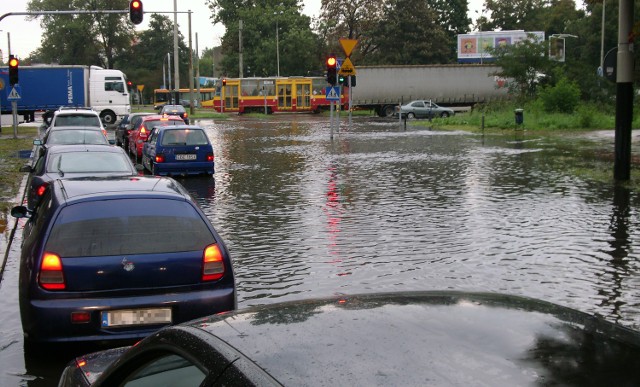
point(624, 92)
point(198, 99)
point(190, 69)
point(240, 45)
point(176, 62)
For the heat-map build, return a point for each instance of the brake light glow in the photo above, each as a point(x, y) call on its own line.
point(42, 188)
point(159, 159)
point(186, 115)
point(209, 156)
point(212, 263)
point(51, 275)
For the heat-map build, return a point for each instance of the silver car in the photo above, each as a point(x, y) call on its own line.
point(424, 109)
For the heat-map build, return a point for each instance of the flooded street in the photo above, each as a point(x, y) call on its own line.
point(381, 208)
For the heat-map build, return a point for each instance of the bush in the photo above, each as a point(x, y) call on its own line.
point(564, 97)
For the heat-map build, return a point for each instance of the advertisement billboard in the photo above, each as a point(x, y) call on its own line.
point(475, 47)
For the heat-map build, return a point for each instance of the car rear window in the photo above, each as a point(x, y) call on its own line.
point(161, 122)
point(76, 120)
point(127, 227)
point(184, 137)
point(94, 161)
point(77, 136)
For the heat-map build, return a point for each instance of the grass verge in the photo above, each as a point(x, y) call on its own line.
point(10, 162)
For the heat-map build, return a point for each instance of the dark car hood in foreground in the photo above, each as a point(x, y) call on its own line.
point(425, 338)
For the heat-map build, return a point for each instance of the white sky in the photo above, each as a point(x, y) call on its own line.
point(25, 35)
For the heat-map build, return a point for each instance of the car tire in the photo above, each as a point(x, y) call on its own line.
point(444, 114)
point(411, 115)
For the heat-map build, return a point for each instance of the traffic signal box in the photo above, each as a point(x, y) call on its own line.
point(332, 70)
point(135, 11)
point(13, 70)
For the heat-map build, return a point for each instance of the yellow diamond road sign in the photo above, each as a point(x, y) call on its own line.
point(347, 68)
point(348, 45)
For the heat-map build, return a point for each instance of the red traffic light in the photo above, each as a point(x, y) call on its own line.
point(331, 61)
point(224, 82)
point(135, 11)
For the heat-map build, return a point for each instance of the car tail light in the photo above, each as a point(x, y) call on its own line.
point(51, 276)
point(105, 133)
point(80, 317)
point(159, 158)
point(209, 156)
point(186, 115)
point(42, 188)
point(212, 263)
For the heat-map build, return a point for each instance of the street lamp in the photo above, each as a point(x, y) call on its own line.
point(278, 41)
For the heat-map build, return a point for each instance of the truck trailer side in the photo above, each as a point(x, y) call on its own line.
point(382, 88)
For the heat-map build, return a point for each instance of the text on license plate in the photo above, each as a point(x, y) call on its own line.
point(186, 157)
point(122, 317)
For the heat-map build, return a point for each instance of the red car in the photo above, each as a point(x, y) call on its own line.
point(140, 133)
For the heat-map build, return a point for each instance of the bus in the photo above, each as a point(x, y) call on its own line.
point(272, 94)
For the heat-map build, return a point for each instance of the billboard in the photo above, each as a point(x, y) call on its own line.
point(473, 48)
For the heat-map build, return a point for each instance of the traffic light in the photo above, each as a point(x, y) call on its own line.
point(342, 80)
point(332, 64)
point(135, 11)
point(13, 70)
point(129, 85)
point(224, 82)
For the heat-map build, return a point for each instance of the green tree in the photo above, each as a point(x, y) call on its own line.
point(144, 62)
point(298, 48)
point(452, 17)
point(409, 34)
point(85, 39)
point(525, 15)
point(525, 62)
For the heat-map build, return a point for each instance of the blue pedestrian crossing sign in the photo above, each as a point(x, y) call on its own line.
point(14, 93)
point(333, 93)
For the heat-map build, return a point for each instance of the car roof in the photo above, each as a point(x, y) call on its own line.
point(170, 127)
point(173, 107)
point(66, 127)
point(161, 116)
point(67, 148)
point(113, 187)
point(445, 338)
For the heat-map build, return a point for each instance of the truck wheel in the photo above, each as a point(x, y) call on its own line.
point(387, 111)
point(108, 117)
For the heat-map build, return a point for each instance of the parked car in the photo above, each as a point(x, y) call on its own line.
point(69, 135)
point(424, 109)
point(140, 133)
point(178, 150)
point(66, 161)
point(117, 258)
point(392, 339)
point(176, 110)
point(125, 126)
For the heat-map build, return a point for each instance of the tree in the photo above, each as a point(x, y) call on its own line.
point(296, 46)
point(351, 19)
point(527, 15)
point(144, 62)
point(525, 62)
point(452, 17)
point(409, 34)
point(85, 39)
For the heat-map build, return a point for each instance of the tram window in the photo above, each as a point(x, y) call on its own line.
point(249, 87)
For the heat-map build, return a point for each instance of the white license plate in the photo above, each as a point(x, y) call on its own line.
point(186, 157)
point(114, 318)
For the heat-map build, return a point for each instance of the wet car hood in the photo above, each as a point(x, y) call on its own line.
point(431, 338)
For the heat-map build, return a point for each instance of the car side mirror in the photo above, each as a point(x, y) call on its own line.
point(26, 168)
point(21, 212)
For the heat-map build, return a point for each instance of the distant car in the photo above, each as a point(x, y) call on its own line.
point(176, 110)
point(69, 135)
point(140, 133)
point(424, 109)
point(125, 126)
point(117, 258)
point(386, 339)
point(178, 150)
point(66, 161)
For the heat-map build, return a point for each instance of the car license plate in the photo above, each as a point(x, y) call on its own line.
point(186, 157)
point(114, 318)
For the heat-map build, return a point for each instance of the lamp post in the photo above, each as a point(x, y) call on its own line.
point(278, 41)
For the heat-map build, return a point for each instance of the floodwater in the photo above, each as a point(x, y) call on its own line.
point(378, 207)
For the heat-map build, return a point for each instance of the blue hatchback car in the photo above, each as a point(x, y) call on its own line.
point(178, 150)
point(118, 258)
